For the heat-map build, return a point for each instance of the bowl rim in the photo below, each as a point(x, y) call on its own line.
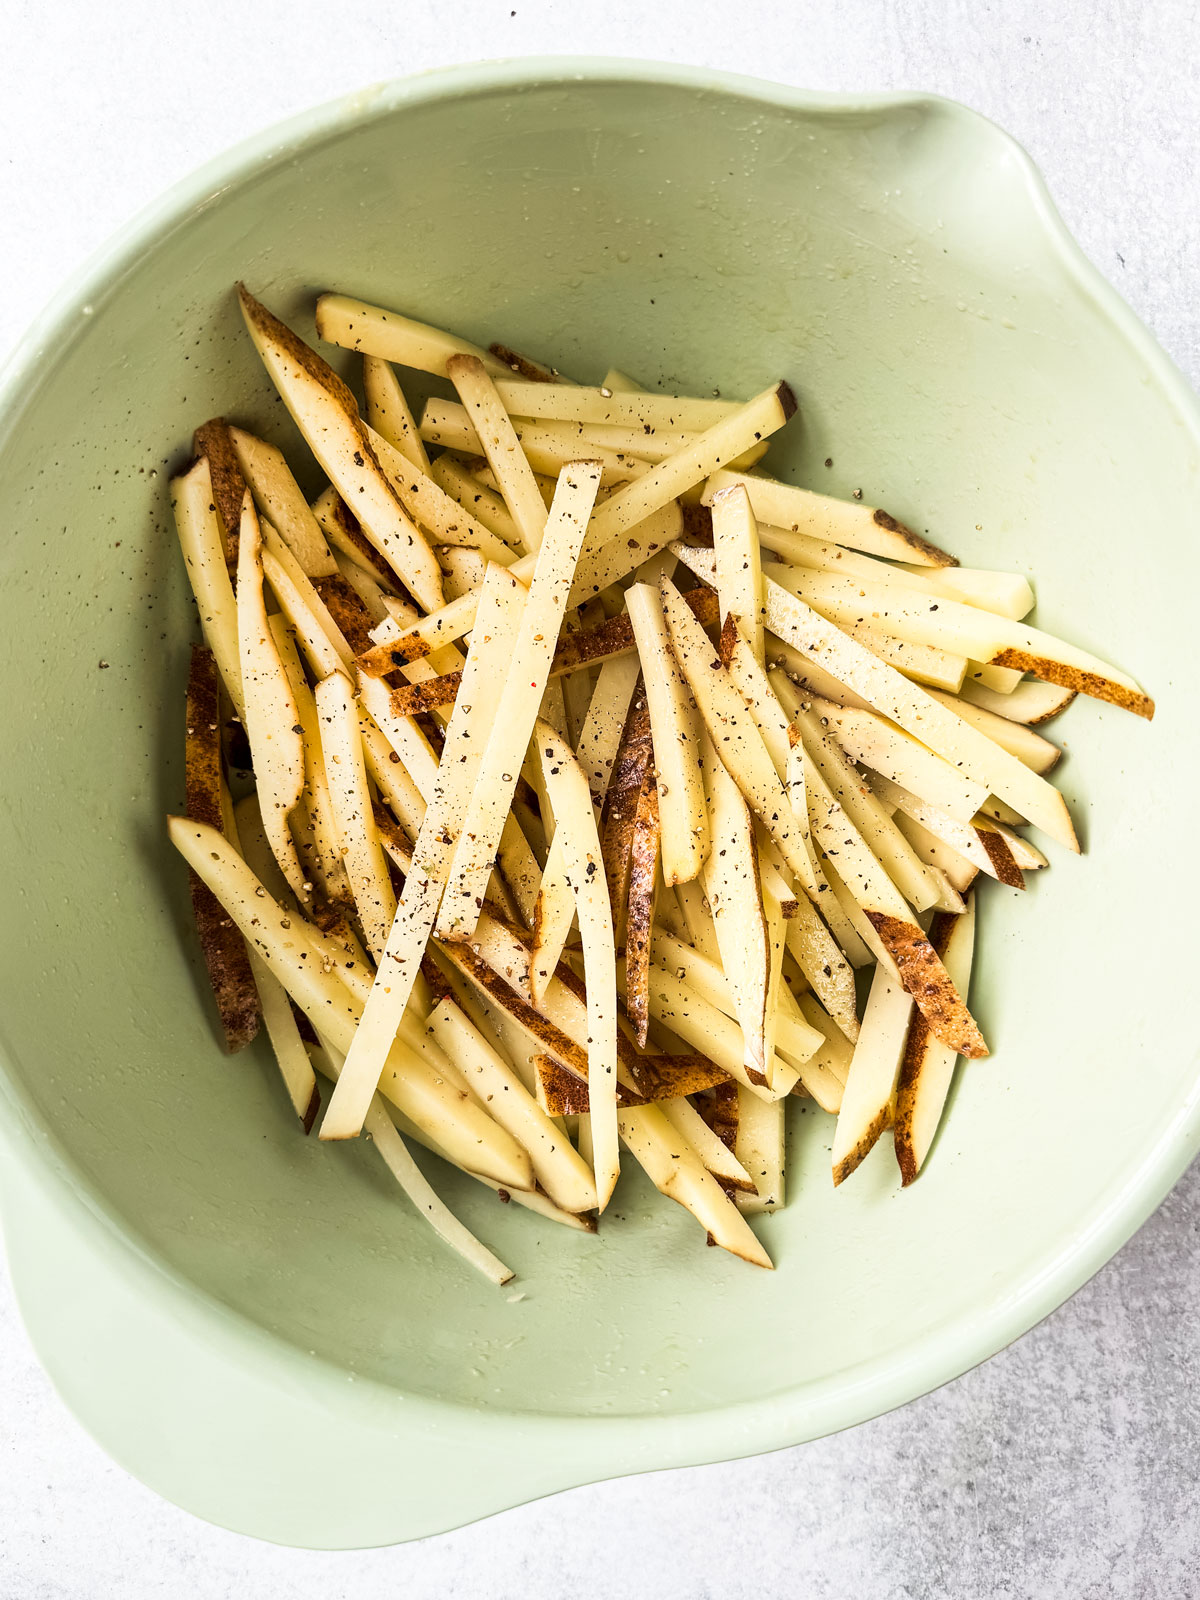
point(805, 1411)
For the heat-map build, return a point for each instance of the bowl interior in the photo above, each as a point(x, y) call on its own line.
point(949, 363)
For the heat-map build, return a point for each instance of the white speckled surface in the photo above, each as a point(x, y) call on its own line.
point(1067, 1465)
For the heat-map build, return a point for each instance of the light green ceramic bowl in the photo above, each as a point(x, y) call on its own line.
point(258, 1325)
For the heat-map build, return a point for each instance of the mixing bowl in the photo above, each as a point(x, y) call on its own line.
point(259, 1325)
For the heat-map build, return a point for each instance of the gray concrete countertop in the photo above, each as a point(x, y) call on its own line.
point(1067, 1466)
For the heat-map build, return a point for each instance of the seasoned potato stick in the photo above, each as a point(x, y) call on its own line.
point(389, 413)
point(501, 447)
point(202, 540)
point(738, 564)
point(523, 685)
point(356, 325)
point(326, 413)
point(676, 730)
point(643, 879)
point(871, 1081)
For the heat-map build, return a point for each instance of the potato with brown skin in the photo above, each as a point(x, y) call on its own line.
point(643, 878)
point(635, 759)
point(222, 945)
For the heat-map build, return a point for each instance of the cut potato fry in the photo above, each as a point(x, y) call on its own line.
point(888, 750)
point(424, 884)
point(344, 533)
point(746, 426)
point(202, 540)
point(986, 851)
point(271, 717)
point(280, 938)
point(1007, 593)
point(575, 820)
point(643, 880)
point(709, 981)
point(373, 331)
point(739, 565)
point(1031, 702)
point(959, 872)
point(1031, 749)
point(557, 1165)
point(280, 501)
point(981, 635)
point(759, 1148)
point(326, 413)
point(734, 890)
point(733, 732)
point(845, 522)
point(918, 713)
point(443, 519)
point(927, 1068)
point(547, 447)
point(635, 756)
point(708, 1145)
point(484, 505)
point(676, 732)
point(501, 446)
point(596, 407)
point(1027, 856)
point(871, 1081)
point(389, 413)
point(699, 927)
point(677, 1171)
point(523, 671)
point(346, 774)
point(223, 948)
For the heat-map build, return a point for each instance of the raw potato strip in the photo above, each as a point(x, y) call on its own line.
point(413, 699)
point(1026, 855)
point(860, 527)
point(523, 673)
point(557, 1165)
point(323, 640)
point(747, 426)
point(601, 407)
point(1005, 592)
point(484, 505)
point(716, 1155)
point(547, 447)
point(703, 1026)
point(822, 957)
point(281, 938)
point(271, 717)
point(919, 713)
point(223, 947)
point(928, 1065)
point(635, 757)
point(1031, 702)
point(344, 532)
point(896, 755)
point(732, 884)
point(280, 499)
point(698, 920)
point(981, 635)
point(317, 805)
point(733, 731)
point(526, 366)
point(871, 1081)
point(389, 413)
point(987, 852)
point(326, 413)
point(477, 706)
point(442, 518)
point(575, 820)
point(677, 1172)
point(346, 773)
point(212, 442)
point(1031, 749)
point(710, 981)
point(901, 935)
point(643, 878)
point(412, 748)
point(295, 1068)
point(960, 873)
point(676, 731)
point(383, 1133)
point(844, 785)
point(501, 447)
point(738, 564)
point(355, 325)
point(202, 540)
point(759, 1147)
